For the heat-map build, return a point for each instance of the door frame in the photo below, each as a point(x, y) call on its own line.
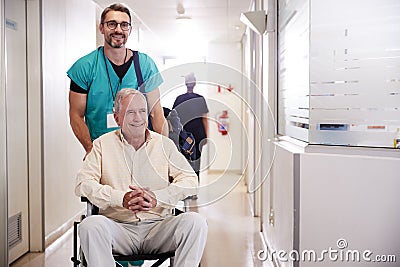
point(35, 126)
point(3, 158)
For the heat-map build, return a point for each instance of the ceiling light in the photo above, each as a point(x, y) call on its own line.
point(181, 13)
point(180, 9)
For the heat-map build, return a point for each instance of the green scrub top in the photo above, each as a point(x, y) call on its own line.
point(102, 84)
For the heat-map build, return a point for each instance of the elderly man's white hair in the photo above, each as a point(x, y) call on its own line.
point(122, 94)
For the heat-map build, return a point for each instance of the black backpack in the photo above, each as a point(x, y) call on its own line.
point(183, 140)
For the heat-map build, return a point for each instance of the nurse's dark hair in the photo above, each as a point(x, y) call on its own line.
point(115, 7)
point(122, 94)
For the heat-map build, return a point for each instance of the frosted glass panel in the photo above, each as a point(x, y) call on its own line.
point(293, 68)
point(354, 72)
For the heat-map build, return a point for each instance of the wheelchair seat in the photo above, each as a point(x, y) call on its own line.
point(161, 257)
point(78, 257)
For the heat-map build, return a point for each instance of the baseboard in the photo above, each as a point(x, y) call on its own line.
point(56, 234)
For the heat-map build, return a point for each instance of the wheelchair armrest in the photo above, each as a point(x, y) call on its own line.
point(90, 208)
point(186, 204)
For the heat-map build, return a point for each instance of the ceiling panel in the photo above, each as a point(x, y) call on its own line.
point(212, 20)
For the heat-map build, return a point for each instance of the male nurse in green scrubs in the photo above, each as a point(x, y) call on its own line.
point(97, 77)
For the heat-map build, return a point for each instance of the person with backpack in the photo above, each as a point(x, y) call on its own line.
point(183, 140)
point(192, 110)
point(97, 77)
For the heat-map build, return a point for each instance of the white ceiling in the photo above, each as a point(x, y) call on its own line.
point(212, 20)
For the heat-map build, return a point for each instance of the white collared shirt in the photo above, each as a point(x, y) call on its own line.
point(113, 165)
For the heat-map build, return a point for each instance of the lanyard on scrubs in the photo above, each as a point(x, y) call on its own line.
point(113, 94)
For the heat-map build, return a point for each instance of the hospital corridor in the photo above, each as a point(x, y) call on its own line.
point(213, 133)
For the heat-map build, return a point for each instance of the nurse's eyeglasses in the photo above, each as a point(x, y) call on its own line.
point(112, 25)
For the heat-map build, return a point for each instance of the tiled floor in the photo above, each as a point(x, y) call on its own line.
point(233, 237)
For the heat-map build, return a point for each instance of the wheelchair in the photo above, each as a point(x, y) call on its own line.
point(78, 258)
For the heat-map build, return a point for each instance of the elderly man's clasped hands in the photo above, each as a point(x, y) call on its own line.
point(139, 199)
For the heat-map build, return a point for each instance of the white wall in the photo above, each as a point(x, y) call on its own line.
point(69, 32)
point(320, 195)
point(228, 148)
point(354, 197)
point(279, 223)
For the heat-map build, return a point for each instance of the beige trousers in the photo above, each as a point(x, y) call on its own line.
point(186, 234)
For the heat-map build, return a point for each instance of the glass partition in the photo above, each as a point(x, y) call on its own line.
point(293, 68)
point(355, 72)
point(339, 71)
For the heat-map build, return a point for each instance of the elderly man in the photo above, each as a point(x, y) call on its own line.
point(135, 176)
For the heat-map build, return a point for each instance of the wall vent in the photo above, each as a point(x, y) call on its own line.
point(14, 230)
